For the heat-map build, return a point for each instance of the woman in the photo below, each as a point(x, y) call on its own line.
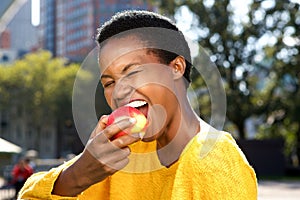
point(144, 63)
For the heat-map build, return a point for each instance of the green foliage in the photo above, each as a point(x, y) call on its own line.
point(38, 84)
point(258, 58)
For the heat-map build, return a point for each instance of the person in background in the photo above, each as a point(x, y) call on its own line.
point(20, 173)
point(180, 156)
point(31, 163)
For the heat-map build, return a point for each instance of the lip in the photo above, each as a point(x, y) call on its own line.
point(119, 104)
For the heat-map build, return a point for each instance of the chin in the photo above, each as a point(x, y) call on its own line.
point(150, 137)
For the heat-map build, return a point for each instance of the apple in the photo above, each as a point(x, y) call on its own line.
point(125, 112)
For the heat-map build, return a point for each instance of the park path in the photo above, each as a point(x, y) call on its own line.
point(279, 190)
point(267, 190)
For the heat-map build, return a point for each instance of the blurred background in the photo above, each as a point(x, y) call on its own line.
point(254, 43)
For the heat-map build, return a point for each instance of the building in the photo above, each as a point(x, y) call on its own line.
point(16, 31)
point(17, 34)
point(17, 37)
point(7, 56)
point(5, 40)
point(23, 35)
point(68, 27)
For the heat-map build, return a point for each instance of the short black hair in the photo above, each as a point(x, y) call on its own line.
point(134, 21)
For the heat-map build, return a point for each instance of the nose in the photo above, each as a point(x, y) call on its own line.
point(122, 93)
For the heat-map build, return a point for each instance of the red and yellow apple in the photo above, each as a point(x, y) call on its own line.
point(126, 112)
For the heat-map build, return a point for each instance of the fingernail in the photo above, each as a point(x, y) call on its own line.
point(132, 120)
point(142, 134)
point(138, 135)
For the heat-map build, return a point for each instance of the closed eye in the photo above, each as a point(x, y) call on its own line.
point(133, 73)
point(107, 84)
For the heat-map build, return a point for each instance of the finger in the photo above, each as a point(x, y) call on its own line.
point(125, 140)
point(101, 125)
point(110, 160)
point(121, 164)
point(114, 156)
point(103, 122)
point(117, 165)
point(118, 126)
point(101, 147)
point(127, 149)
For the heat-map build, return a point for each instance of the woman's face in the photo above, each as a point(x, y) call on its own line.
point(132, 75)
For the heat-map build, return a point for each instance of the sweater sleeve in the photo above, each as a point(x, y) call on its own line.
point(221, 173)
point(40, 184)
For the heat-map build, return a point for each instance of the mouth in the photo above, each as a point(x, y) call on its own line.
point(141, 105)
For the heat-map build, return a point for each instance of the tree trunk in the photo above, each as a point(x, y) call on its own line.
point(59, 137)
point(298, 142)
point(241, 129)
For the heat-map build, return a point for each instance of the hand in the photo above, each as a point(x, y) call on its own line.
point(111, 155)
point(100, 158)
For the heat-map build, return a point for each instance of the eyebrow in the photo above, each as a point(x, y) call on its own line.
point(128, 66)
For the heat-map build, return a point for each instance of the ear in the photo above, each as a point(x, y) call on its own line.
point(178, 65)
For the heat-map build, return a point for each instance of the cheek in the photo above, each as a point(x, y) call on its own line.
point(166, 100)
point(108, 96)
point(158, 94)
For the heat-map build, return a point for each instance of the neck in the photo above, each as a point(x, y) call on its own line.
point(180, 131)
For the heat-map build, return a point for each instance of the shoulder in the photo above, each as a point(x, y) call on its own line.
point(213, 146)
point(214, 167)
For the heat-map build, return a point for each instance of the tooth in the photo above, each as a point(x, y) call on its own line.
point(137, 104)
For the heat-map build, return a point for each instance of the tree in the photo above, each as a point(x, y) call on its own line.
point(257, 54)
point(40, 87)
point(281, 21)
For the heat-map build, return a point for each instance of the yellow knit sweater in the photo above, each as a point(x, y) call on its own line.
point(211, 167)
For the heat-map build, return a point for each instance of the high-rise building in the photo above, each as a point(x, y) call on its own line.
point(16, 31)
point(24, 36)
point(68, 27)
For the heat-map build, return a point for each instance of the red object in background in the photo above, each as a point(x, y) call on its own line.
point(5, 39)
point(21, 171)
